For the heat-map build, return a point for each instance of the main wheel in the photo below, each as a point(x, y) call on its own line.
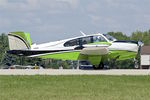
point(95, 67)
point(101, 65)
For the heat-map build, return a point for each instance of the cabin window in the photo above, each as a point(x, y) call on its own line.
point(86, 40)
point(72, 43)
point(79, 41)
point(99, 39)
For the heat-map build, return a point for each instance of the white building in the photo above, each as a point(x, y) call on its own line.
point(145, 57)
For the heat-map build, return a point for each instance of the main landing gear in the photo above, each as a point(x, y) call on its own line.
point(100, 66)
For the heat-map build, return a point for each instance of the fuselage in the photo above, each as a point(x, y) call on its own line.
point(94, 40)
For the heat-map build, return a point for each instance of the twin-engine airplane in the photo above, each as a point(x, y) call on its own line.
point(95, 48)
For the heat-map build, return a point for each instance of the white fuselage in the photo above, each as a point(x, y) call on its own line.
point(60, 45)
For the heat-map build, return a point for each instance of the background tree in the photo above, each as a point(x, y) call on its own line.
point(142, 36)
point(119, 35)
point(3, 45)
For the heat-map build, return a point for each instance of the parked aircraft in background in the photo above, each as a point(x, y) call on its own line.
point(95, 48)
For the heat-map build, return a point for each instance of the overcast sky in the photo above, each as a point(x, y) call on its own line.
point(49, 20)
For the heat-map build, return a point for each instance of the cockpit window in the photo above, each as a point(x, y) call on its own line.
point(110, 38)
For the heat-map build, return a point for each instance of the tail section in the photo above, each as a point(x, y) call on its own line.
point(19, 41)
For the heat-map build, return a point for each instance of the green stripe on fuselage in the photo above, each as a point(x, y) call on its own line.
point(100, 43)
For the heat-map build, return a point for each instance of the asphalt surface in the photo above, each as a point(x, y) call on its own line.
point(73, 72)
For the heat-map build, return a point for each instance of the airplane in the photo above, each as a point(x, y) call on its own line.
point(96, 48)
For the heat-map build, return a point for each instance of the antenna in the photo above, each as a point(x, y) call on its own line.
point(82, 33)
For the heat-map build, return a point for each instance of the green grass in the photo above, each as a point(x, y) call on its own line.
point(74, 87)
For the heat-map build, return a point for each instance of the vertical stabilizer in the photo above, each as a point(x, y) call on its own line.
point(19, 41)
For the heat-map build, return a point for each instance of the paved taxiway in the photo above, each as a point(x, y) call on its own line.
point(73, 72)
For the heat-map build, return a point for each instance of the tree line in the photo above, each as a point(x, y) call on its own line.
point(135, 36)
point(7, 59)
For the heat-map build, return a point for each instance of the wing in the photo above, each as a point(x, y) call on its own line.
point(94, 54)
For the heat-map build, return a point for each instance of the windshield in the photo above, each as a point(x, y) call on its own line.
point(110, 38)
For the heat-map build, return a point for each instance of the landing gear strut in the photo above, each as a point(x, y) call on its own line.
point(100, 66)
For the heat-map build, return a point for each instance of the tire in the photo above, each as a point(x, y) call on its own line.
point(101, 66)
point(95, 67)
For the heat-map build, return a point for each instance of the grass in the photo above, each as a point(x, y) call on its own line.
point(74, 87)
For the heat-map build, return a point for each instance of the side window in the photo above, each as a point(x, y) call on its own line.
point(99, 39)
point(72, 43)
point(86, 40)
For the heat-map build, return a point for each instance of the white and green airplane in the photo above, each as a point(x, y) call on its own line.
point(95, 48)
